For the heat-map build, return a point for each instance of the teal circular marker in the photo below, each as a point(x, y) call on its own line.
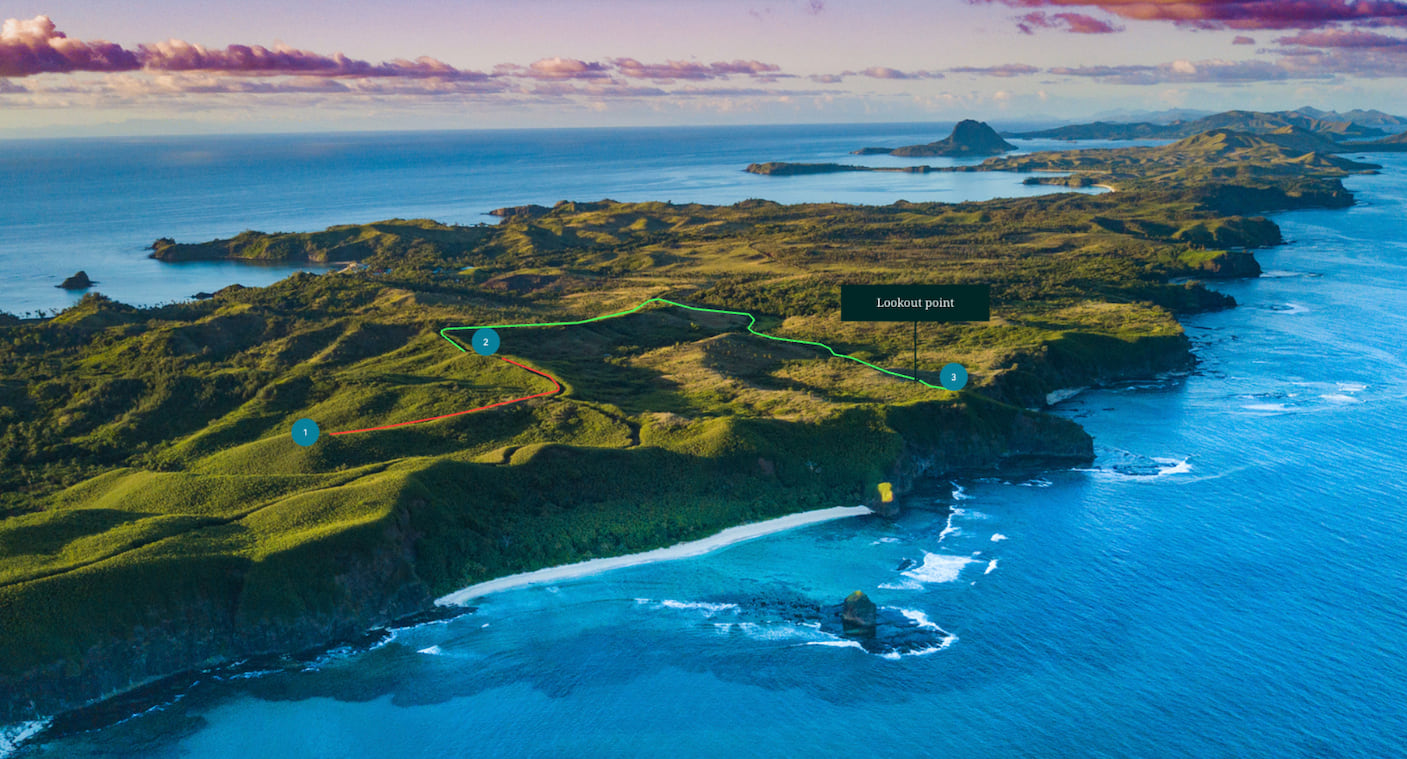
point(485, 341)
point(954, 377)
point(305, 432)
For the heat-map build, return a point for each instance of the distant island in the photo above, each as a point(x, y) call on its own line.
point(782, 168)
point(1306, 129)
point(969, 138)
point(1285, 153)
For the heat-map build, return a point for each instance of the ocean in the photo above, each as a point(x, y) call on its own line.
point(1228, 580)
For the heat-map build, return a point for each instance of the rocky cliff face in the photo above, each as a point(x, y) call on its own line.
point(1232, 265)
point(209, 625)
point(206, 622)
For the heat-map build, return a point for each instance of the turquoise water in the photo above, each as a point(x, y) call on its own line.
point(97, 205)
point(1227, 581)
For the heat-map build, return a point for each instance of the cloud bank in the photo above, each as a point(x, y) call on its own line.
point(35, 46)
point(1236, 14)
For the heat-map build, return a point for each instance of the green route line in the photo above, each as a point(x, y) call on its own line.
point(751, 322)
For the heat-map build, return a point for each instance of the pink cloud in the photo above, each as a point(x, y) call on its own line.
point(1207, 71)
point(178, 55)
point(694, 70)
point(1242, 39)
point(1366, 63)
point(1238, 14)
point(1004, 71)
point(1075, 23)
point(885, 72)
point(1341, 38)
point(35, 46)
point(556, 68)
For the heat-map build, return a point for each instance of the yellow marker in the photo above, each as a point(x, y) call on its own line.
point(886, 492)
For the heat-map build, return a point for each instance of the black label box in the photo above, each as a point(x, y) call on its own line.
point(915, 303)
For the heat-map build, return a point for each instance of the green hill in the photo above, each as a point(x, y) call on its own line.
point(1255, 122)
point(1218, 157)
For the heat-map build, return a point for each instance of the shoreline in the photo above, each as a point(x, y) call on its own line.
point(722, 539)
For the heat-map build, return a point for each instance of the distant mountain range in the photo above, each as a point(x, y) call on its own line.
point(1369, 118)
point(1358, 124)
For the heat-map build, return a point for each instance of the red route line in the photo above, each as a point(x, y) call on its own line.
point(556, 388)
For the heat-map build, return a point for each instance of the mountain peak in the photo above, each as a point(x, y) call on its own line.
point(969, 138)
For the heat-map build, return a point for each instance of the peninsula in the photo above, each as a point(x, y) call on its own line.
point(156, 515)
point(1355, 125)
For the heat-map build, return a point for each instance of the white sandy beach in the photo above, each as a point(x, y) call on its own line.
point(681, 551)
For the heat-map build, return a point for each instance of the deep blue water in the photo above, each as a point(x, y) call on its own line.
point(97, 205)
point(1230, 580)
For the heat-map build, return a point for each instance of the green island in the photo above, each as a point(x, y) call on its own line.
point(1203, 158)
point(157, 517)
point(969, 138)
point(1353, 127)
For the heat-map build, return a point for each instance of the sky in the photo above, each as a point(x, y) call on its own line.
point(101, 67)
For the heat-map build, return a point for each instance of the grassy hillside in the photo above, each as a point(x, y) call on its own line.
point(156, 514)
point(1220, 157)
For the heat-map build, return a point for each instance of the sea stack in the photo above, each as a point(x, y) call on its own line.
point(78, 281)
point(857, 618)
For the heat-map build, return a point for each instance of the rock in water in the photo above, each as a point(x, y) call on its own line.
point(78, 281)
point(857, 618)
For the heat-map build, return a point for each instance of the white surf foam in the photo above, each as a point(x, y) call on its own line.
point(938, 568)
point(431, 651)
point(709, 609)
point(960, 493)
point(12, 737)
point(1173, 466)
point(948, 527)
point(896, 656)
point(836, 643)
point(997, 538)
point(782, 632)
point(919, 618)
point(1161, 466)
point(991, 567)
